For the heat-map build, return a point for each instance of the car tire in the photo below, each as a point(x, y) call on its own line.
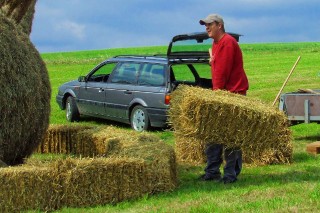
point(72, 112)
point(139, 119)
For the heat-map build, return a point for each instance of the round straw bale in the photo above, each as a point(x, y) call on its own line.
point(26, 21)
point(17, 9)
point(2, 164)
point(24, 95)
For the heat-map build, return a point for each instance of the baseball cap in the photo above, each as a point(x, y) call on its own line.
point(211, 18)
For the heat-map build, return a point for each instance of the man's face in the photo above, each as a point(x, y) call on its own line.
point(213, 29)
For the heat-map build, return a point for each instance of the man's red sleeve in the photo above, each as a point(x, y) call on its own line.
point(222, 65)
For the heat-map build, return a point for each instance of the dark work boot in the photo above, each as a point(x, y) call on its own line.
point(204, 177)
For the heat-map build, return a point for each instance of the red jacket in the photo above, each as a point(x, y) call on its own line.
point(227, 66)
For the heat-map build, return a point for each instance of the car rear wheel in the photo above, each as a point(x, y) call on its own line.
point(72, 112)
point(139, 119)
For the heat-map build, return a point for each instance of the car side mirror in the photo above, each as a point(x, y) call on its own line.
point(82, 79)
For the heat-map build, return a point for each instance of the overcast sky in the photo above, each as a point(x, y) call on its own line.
point(73, 25)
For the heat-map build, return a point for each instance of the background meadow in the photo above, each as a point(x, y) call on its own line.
point(273, 188)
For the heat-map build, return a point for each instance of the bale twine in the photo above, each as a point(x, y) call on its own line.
point(25, 91)
point(232, 120)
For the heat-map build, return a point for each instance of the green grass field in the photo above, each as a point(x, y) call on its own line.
point(274, 188)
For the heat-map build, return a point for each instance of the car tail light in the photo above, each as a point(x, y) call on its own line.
point(167, 99)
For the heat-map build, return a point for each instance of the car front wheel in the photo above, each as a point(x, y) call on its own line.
point(139, 119)
point(72, 112)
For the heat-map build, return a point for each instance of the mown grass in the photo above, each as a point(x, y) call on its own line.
point(273, 188)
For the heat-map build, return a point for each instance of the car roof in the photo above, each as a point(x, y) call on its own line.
point(159, 59)
point(192, 45)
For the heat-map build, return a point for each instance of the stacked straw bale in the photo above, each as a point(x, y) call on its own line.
point(72, 183)
point(201, 116)
point(24, 82)
point(126, 165)
point(28, 187)
point(159, 157)
point(86, 141)
point(61, 139)
point(97, 181)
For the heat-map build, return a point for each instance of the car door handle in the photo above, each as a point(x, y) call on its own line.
point(128, 92)
point(101, 90)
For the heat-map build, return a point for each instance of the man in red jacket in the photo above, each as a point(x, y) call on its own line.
point(227, 74)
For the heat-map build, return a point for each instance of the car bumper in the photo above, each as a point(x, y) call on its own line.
point(59, 100)
point(158, 117)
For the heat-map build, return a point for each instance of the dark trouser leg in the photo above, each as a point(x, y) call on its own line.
point(239, 163)
point(214, 160)
point(232, 169)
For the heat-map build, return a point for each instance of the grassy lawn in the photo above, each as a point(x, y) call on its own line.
point(273, 188)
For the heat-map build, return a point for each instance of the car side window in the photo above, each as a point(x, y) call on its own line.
point(126, 73)
point(152, 75)
point(102, 73)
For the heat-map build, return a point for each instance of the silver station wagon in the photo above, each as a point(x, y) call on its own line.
point(136, 89)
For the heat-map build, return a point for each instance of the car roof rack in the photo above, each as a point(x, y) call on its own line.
point(178, 58)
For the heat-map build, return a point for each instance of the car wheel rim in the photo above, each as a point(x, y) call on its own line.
point(68, 111)
point(139, 120)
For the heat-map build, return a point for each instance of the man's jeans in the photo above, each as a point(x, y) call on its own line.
point(233, 158)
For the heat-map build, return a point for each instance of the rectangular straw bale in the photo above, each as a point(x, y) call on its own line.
point(114, 142)
point(313, 148)
point(98, 181)
point(190, 151)
point(100, 141)
point(61, 139)
point(160, 159)
point(230, 119)
point(95, 142)
point(85, 145)
point(193, 152)
point(23, 188)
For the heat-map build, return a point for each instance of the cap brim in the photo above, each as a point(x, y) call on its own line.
point(202, 22)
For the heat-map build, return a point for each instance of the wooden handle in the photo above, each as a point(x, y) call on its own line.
point(285, 82)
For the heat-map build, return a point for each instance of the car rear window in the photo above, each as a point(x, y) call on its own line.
point(183, 73)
